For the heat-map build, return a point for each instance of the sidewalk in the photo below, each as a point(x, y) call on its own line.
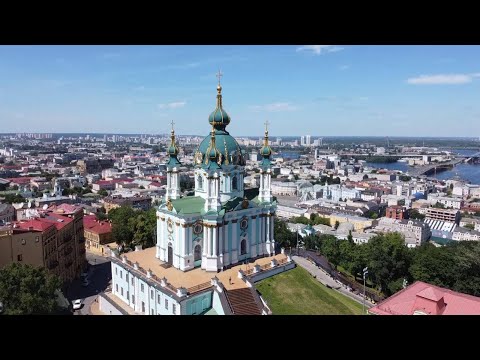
point(95, 308)
point(325, 279)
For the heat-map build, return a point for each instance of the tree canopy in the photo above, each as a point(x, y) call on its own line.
point(28, 290)
point(133, 227)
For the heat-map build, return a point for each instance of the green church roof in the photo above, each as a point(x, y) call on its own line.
point(189, 205)
point(219, 148)
point(172, 152)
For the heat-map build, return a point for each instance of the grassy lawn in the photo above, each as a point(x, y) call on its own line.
point(296, 292)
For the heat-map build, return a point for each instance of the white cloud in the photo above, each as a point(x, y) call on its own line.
point(442, 79)
point(139, 88)
point(275, 107)
point(344, 67)
point(172, 105)
point(320, 49)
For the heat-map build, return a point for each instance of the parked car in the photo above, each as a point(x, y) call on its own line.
point(77, 304)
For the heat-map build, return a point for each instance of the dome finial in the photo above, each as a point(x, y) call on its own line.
point(219, 77)
point(219, 117)
point(172, 149)
point(266, 151)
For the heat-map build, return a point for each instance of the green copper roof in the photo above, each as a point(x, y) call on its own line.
point(189, 205)
point(172, 152)
point(228, 151)
point(173, 162)
point(219, 118)
point(266, 150)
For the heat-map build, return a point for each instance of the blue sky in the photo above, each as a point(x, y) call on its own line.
point(322, 90)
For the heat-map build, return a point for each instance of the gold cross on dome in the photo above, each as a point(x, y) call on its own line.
point(266, 125)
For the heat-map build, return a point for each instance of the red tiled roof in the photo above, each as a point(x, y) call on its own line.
point(65, 208)
point(58, 220)
point(431, 299)
point(34, 224)
point(113, 181)
point(90, 223)
point(21, 180)
point(154, 183)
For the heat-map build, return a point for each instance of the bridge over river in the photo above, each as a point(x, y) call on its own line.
point(433, 168)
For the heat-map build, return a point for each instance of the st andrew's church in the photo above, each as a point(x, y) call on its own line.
point(223, 224)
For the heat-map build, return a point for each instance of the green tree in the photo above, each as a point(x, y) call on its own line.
point(300, 220)
point(439, 205)
point(321, 221)
point(101, 216)
point(28, 290)
point(284, 237)
point(466, 264)
point(141, 187)
point(388, 260)
point(365, 177)
point(405, 178)
point(102, 192)
point(346, 250)
point(143, 228)
point(434, 265)
point(470, 226)
point(337, 224)
point(414, 214)
point(350, 237)
point(329, 247)
point(122, 231)
point(311, 242)
point(13, 198)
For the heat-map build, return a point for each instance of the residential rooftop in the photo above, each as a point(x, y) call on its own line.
point(424, 298)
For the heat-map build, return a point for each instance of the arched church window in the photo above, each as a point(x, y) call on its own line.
point(234, 183)
point(243, 247)
point(197, 253)
point(200, 182)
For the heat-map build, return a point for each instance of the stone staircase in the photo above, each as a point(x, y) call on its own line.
point(243, 302)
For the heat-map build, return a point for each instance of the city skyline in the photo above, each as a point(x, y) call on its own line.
point(315, 89)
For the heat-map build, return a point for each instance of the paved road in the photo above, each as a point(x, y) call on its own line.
point(99, 276)
point(326, 279)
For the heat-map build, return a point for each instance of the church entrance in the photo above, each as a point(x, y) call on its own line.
point(170, 255)
point(197, 256)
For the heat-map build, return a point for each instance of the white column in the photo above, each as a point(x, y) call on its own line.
point(215, 241)
point(261, 182)
point(205, 241)
point(169, 184)
point(271, 228)
point(210, 242)
point(267, 221)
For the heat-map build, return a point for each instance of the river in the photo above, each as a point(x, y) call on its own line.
point(468, 172)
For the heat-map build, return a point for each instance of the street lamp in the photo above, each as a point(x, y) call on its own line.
point(365, 273)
